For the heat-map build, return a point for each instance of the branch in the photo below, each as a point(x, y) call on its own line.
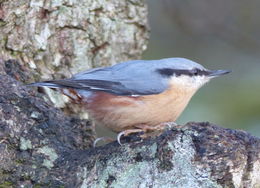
point(40, 146)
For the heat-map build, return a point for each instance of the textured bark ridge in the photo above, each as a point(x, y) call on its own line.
point(198, 155)
point(40, 147)
point(33, 134)
point(62, 37)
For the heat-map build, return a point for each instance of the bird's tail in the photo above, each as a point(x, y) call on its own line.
point(45, 84)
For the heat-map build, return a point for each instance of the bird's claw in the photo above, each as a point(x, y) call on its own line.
point(170, 125)
point(126, 133)
point(119, 137)
point(101, 139)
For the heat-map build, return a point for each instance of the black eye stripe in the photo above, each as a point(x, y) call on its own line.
point(194, 72)
point(165, 72)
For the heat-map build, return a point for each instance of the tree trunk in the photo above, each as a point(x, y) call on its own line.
point(57, 38)
point(40, 147)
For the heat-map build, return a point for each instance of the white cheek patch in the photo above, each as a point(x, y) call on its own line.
point(200, 80)
point(189, 81)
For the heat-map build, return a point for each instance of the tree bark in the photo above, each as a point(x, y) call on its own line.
point(41, 147)
point(57, 38)
point(54, 39)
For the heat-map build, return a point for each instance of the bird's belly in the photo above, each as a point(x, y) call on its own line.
point(123, 112)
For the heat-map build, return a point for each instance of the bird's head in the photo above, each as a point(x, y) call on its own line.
point(186, 73)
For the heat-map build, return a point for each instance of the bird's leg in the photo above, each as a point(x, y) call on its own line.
point(167, 125)
point(146, 129)
point(158, 128)
point(127, 132)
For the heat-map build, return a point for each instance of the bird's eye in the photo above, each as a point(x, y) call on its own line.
point(195, 72)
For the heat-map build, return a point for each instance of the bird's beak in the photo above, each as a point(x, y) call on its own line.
point(216, 73)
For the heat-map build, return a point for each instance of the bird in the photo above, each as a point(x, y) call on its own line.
point(137, 95)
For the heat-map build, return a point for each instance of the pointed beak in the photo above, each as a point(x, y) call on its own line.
point(216, 73)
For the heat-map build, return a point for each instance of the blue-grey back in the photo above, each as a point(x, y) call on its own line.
point(138, 77)
point(137, 67)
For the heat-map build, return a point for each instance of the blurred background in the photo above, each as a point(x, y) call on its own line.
point(223, 34)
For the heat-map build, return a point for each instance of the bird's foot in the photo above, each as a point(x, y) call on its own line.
point(153, 130)
point(104, 139)
point(126, 133)
point(168, 125)
point(147, 130)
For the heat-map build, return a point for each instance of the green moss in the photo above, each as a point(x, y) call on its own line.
point(37, 186)
point(6, 184)
point(2, 23)
point(20, 161)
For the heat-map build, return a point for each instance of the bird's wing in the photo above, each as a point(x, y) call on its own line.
point(87, 85)
point(128, 78)
point(120, 87)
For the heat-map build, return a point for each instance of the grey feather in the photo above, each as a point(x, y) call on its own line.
point(139, 77)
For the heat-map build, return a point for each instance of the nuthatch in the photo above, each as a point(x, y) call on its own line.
point(136, 96)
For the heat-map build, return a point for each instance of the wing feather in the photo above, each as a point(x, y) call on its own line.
point(129, 78)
